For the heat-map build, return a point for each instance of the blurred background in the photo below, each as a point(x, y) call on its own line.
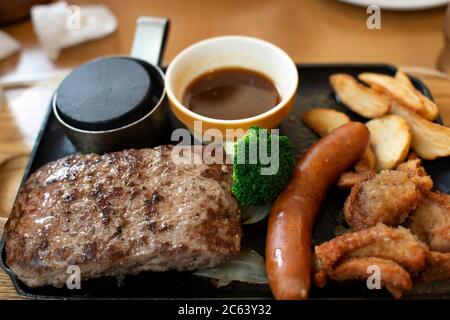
point(309, 30)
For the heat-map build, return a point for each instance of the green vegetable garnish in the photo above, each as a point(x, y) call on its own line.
point(258, 175)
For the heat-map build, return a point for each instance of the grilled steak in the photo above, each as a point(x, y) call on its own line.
point(121, 213)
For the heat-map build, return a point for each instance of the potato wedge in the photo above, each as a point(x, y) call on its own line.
point(429, 140)
point(359, 98)
point(368, 161)
point(393, 88)
point(430, 110)
point(390, 138)
point(323, 120)
point(403, 77)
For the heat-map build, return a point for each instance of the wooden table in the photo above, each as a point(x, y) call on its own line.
point(316, 31)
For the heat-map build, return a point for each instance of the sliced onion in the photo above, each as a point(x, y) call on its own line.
point(252, 215)
point(248, 267)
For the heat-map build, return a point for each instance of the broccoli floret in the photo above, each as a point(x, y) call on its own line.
point(250, 186)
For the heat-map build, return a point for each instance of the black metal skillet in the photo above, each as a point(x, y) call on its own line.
point(314, 91)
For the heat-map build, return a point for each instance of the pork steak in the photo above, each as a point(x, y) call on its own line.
point(121, 213)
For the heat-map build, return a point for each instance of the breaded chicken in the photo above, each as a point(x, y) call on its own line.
point(431, 221)
point(393, 276)
point(348, 179)
point(387, 197)
point(380, 241)
point(413, 168)
point(438, 267)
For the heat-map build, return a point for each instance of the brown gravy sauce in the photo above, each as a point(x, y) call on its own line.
point(230, 94)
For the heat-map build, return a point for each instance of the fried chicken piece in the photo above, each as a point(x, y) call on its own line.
point(387, 197)
point(320, 278)
point(380, 241)
point(412, 156)
point(413, 168)
point(438, 267)
point(363, 169)
point(395, 278)
point(350, 178)
point(319, 273)
point(431, 221)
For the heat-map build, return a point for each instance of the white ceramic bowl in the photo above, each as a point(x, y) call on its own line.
point(225, 52)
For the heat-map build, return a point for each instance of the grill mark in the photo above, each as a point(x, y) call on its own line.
point(96, 191)
point(150, 211)
point(156, 197)
point(134, 193)
point(150, 204)
point(118, 232)
point(105, 211)
point(151, 225)
point(70, 197)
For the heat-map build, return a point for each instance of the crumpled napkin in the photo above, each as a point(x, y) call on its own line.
point(8, 45)
point(59, 25)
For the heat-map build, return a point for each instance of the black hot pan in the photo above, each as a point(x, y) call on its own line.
point(314, 91)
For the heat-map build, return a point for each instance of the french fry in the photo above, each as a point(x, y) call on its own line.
point(359, 98)
point(390, 139)
point(430, 110)
point(323, 120)
point(429, 140)
point(395, 89)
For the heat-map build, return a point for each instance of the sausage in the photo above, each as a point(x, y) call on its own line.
point(288, 243)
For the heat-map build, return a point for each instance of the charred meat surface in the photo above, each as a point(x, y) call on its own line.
point(121, 213)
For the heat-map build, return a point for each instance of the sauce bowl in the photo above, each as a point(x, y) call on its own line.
point(231, 52)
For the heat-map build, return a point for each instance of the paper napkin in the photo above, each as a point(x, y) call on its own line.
point(59, 25)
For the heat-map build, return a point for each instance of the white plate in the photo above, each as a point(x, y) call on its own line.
point(400, 4)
